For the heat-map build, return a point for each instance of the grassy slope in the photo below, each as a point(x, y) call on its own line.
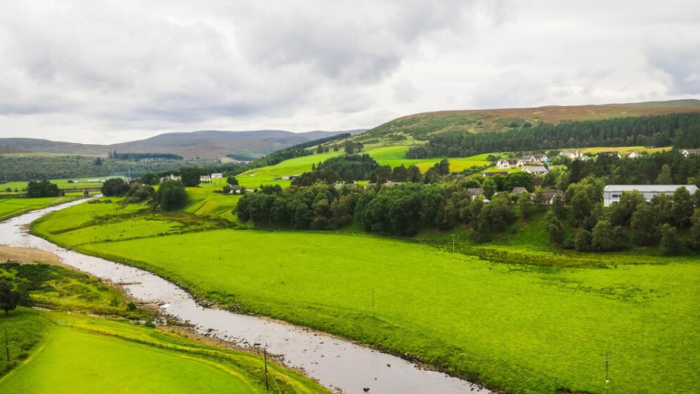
point(54, 352)
point(79, 354)
point(523, 328)
point(489, 120)
point(104, 364)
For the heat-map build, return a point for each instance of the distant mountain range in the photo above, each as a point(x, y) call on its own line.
point(207, 144)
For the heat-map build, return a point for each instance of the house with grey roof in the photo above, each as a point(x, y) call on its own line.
point(507, 163)
point(536, 170)
point(689, 152)
point(548, 195)
point(474, 192)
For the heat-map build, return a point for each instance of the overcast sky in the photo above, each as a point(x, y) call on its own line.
point(117, 70)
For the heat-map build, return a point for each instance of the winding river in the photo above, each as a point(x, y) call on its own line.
point(336, 363)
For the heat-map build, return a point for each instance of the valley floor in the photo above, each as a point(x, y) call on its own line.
point(523, 328)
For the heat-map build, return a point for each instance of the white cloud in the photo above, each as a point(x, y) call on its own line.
point(113, 70)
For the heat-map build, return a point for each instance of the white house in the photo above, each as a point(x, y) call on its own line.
point(612, 193)
point(205, 178)
point(507, 163)
point(688, 152)
point(217, 175)
point(536, 170)
point(634, 155)
point(572, 154)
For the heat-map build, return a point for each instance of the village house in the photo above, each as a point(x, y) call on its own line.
point(205, 178)
point(507, 163)
point(475, 192)
point(170, 177)
point(612, 154)
point(689, 152)
point(217, 175)
point(634, 155)
point(612, 193)
point(572, 154)
point(531, 159)
point(536, 170)
point(517, 190)
point(235, 189)
point(548, 195)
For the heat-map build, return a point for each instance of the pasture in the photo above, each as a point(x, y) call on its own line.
point(395, 156)
point(523, 328)
point(61, 183)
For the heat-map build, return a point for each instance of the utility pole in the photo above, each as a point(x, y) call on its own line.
point(267, 385)
point(607, 365)
point(7, 345)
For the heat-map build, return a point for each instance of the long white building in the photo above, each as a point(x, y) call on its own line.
point(612, 193)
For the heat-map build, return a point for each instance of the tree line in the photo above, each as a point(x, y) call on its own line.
point(680, 130)
point(16, 168)
point(141, 156)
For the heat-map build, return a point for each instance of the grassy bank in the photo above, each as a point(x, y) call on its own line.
point(522, 328)
point(76, 352)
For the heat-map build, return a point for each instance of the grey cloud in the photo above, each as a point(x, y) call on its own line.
point(676, 54)
point(141, 67)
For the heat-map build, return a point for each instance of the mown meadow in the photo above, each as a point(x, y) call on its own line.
point(52, 351)
point(523, 328)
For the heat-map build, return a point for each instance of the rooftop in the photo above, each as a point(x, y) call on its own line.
point(649, 188)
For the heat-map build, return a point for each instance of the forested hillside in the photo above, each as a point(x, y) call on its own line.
point(422, 126)
point(681, 130)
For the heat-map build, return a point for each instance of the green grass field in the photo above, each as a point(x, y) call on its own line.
point(623, 150)
point(393, 156)
point(265, 175)
point(62, 184)
point(522, 328)
point(10, 207)
point(396, 156)
point(55, 352)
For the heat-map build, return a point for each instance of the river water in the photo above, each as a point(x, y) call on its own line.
point(336, 363)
